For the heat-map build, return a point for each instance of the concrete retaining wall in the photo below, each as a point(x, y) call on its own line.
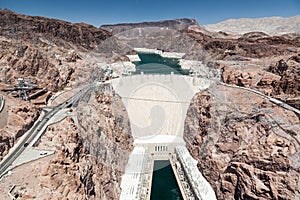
point(161, 53)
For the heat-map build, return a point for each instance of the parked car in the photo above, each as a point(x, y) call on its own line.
point(43, 153)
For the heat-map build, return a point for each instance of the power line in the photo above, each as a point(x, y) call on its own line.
point(157, 100)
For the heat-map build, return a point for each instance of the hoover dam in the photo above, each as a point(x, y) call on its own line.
point(157, 105)
point(151, 110)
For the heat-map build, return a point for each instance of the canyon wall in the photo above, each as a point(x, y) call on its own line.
point(246, 147)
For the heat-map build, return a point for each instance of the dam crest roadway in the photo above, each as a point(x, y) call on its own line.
point(157, 105)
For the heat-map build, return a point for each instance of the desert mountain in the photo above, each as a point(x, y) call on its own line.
point(45, 50)
point(268, 25)
point(177, 24)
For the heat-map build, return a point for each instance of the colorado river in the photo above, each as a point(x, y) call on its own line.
point(164, 185)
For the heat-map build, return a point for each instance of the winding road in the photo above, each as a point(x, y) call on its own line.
point(40, 124)
point(2, 102)
point(273, 100)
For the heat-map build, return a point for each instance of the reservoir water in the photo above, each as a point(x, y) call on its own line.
point(155, 64)
point(164, 184)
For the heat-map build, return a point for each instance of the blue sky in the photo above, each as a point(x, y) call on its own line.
point(98, 12)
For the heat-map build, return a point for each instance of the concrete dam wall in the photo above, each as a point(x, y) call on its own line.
point(157, 104)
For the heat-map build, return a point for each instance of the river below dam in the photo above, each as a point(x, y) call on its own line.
point(164, 184)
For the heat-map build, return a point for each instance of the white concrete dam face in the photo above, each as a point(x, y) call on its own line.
point(156, 104)
point(150, 109)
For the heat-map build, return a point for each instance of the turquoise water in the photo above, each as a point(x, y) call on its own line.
point(155, 64)
point(164, 184)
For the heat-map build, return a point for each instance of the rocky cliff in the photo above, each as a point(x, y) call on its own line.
point(46, 50)
point(15, 119)
point(280, 80)
point(92, 149)
point(97, 148)
point(23, 27)
point(242, 48)
point(246, 147)
point(256, 60)
point(176, 24)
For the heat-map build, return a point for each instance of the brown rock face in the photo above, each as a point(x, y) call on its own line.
point(27, 27)
point(177, 24)
point(289, 71)
point(111, 142)
point(250, 45)
point(280, 80)
point(18, 118)
point(91, 153)
point(269, 64)
point(48, 51)
point(248, 76)
point(246, 147)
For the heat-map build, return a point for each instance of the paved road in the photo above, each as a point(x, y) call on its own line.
point(2, 102)
point(32, 133)
point(273, 100)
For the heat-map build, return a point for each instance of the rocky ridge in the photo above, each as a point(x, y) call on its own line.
point(280, 80)
point(176, 24)
point(60, 32)
point(243, 48)
point(269, 64)
point(48, 51)
point(268, 25)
